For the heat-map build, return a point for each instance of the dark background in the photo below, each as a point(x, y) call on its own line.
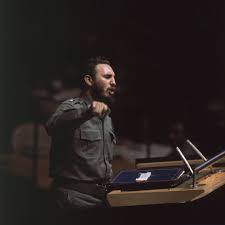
point(168, 56)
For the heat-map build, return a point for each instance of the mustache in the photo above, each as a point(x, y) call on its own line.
point(112, 89)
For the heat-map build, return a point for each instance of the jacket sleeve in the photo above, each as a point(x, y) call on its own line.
point(68, 114)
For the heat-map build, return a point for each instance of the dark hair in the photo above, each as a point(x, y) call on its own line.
point(93, 62)
point(89, 67)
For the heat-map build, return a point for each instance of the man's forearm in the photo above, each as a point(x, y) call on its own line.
point(71, 117)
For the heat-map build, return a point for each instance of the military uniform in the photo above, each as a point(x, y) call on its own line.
point(81, 154)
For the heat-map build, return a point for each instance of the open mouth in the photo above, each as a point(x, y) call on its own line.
point(111, 91)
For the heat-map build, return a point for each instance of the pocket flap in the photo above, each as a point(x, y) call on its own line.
point(91, 135)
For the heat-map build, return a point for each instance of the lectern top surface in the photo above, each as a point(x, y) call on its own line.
point(165, 174)
point(148, 178)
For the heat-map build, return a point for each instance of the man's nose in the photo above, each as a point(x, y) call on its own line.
point(113, 82)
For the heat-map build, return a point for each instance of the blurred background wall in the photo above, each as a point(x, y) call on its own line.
point(169, 59)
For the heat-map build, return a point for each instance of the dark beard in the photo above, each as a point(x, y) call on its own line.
point(97, 95)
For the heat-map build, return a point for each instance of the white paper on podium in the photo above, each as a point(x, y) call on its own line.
point(143, 177)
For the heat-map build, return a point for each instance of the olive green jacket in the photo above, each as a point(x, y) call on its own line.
point(81, 144)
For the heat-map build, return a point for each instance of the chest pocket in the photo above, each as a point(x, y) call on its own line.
point(88, 143)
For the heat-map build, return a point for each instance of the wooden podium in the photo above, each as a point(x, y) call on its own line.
point(206, 181)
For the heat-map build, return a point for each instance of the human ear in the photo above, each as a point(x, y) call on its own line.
point(88, 80)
